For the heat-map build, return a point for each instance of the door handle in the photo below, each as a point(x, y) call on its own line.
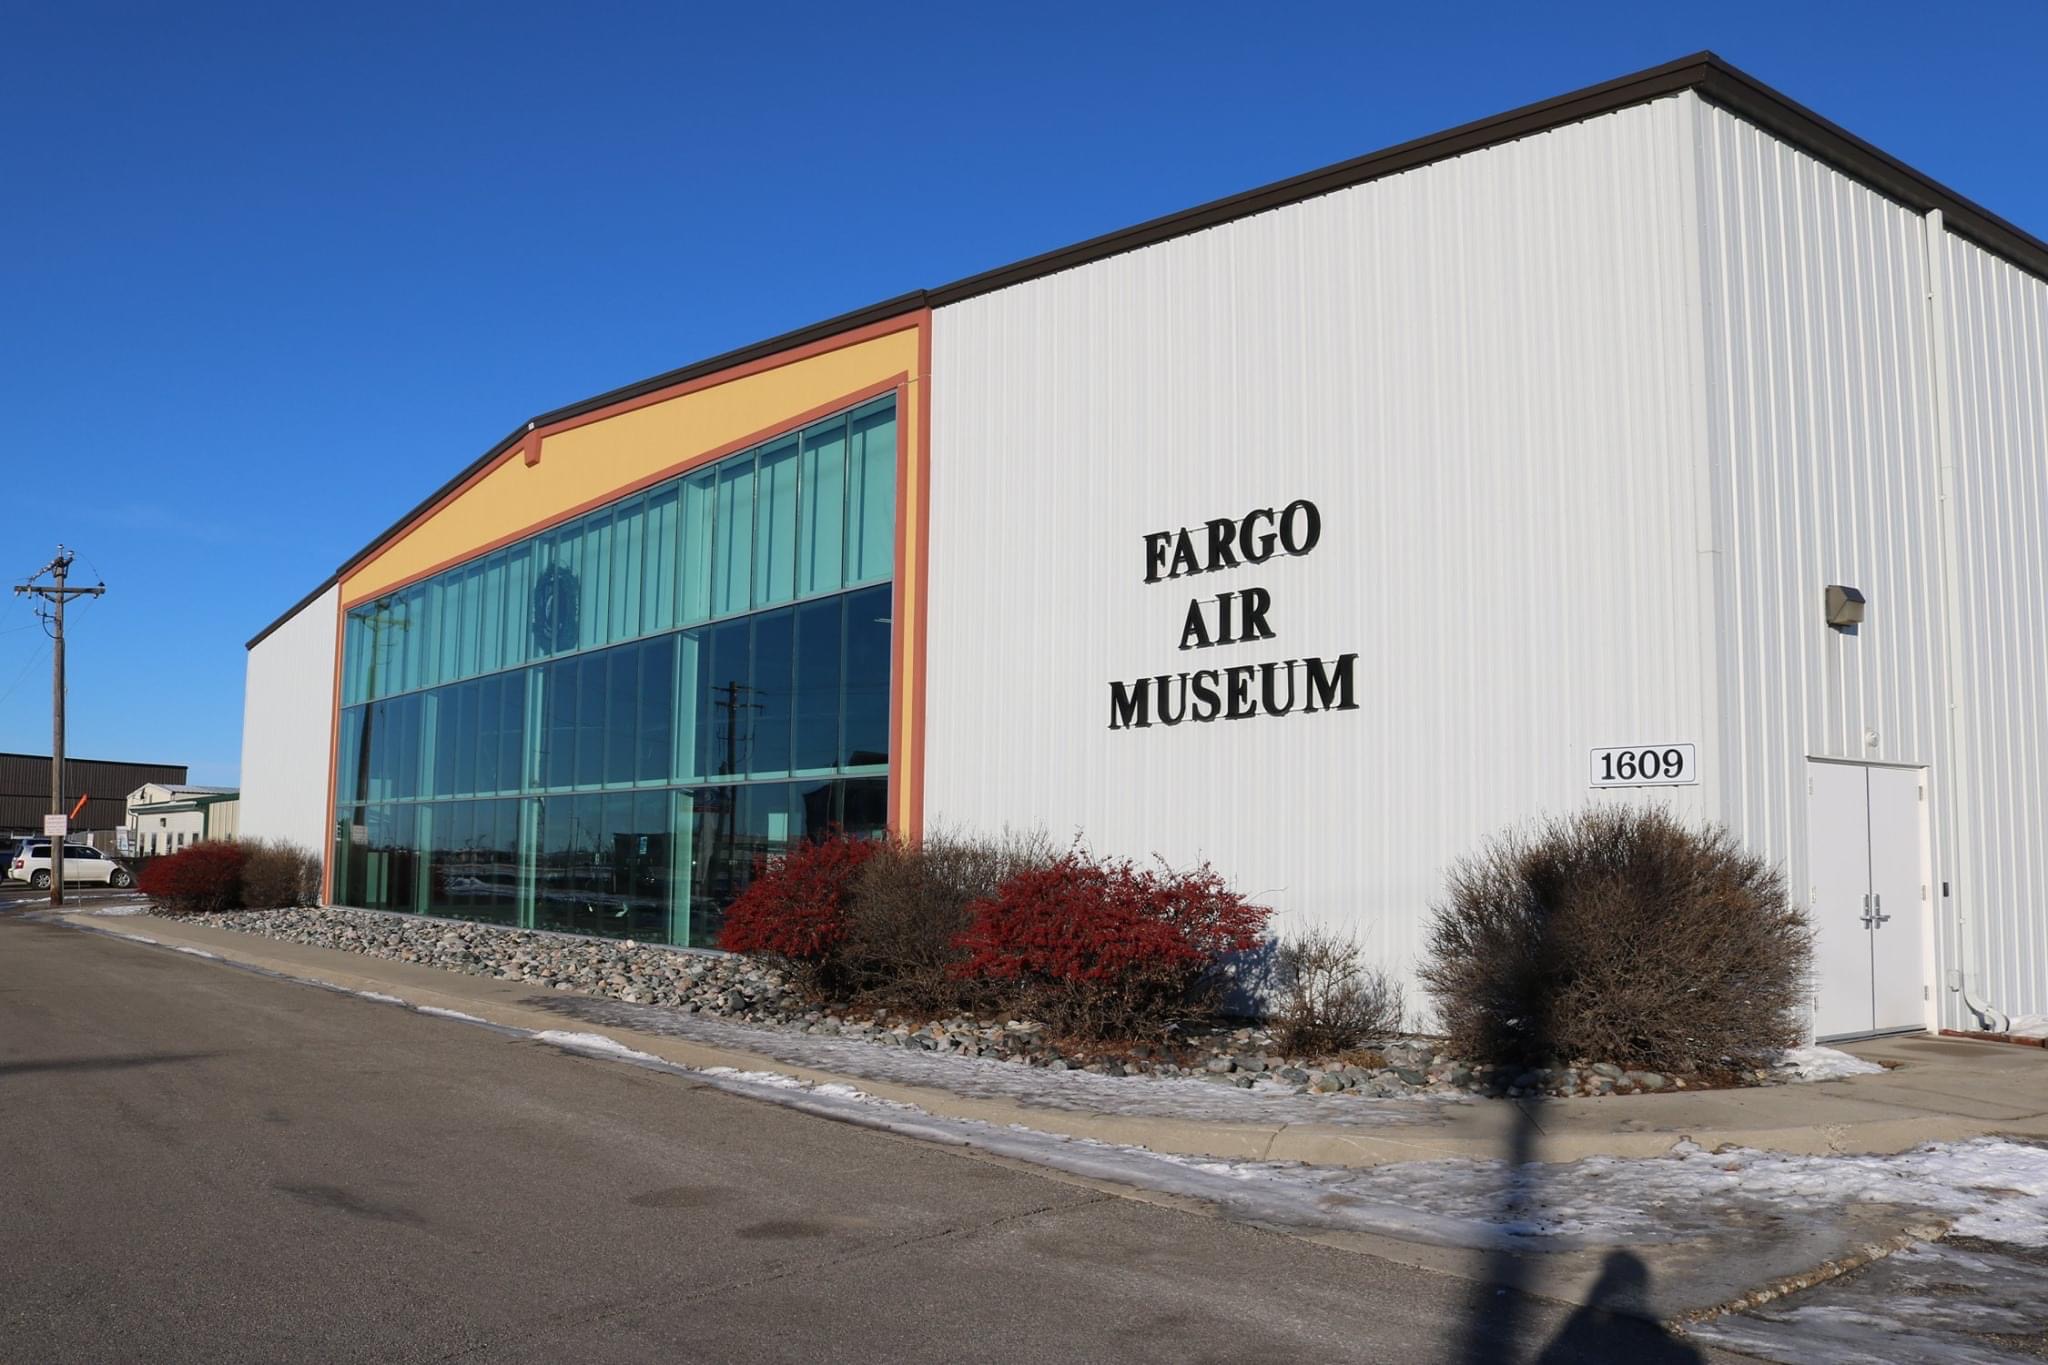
point(1869, 915)
point(1877, 908)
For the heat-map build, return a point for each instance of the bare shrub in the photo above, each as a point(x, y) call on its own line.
point(1619, 934)
point(1327, 1000)
point(909, 907)
point(279, 874)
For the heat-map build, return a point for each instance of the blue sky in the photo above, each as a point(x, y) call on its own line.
point(269, 275)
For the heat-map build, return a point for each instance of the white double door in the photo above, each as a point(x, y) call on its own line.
point(1867, 859)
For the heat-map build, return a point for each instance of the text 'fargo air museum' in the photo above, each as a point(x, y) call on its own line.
point(1662, 441)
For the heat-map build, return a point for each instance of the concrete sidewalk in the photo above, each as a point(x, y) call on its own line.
point(1941, 1090)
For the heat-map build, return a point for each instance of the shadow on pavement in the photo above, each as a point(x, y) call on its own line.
point(1617, 1324)
point(103, 1063)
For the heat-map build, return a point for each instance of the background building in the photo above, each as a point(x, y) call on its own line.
point(1320, 532)
point(165, 817)
point(25, 791)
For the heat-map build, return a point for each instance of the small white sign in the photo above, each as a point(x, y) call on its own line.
point(58, 825)
point(124, 840)
point(1646, 765)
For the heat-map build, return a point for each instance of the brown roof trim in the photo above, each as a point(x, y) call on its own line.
point(1742, 94)
point(295, 608)
point(760, 350)
point(1605, 98)
point(1713, 79)
point(1703, 72)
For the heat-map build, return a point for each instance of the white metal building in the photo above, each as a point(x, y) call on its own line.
point(167, 817)
point(1545, 461)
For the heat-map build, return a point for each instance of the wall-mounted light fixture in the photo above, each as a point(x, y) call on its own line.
point(1845, 607)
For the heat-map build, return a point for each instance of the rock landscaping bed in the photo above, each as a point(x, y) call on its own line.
point(752, 992)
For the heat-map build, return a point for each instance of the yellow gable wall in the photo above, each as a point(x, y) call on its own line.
point(584, 466)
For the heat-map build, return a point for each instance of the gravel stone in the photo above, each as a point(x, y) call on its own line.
point(696, 981)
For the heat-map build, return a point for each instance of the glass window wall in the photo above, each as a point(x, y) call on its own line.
point(605, 727)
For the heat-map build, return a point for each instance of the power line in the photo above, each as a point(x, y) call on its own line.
point(33, 660)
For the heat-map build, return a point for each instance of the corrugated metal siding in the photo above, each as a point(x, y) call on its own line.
point(25, 789)
point(1997, 331)
point(1484, 373)
point(287, 727)
point(1821, 426)
point(1823, 417)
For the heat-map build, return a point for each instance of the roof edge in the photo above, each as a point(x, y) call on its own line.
point(1545, 115)
point(1789, 121)
point(1703, 72)
point(759, 350)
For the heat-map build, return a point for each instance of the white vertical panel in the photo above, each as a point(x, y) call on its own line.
point(1823, 422)
point(1997, 329)
point(287, 728)
point(1485, 373)
point(1820, 423)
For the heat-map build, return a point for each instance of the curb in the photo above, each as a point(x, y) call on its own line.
point(1827, 1270)
point(1479, 1131)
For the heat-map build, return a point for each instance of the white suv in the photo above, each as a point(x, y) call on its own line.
point(81, 864)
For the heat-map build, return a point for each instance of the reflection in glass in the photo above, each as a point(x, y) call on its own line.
point(865, 742)
point(732, 540)
point(775, 524)
point(511, 728)
point(815, 745)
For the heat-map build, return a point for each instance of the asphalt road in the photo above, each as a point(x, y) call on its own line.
point(198, 1163)
point(21, 896)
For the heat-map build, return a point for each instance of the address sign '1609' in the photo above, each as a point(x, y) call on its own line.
point(1646, 765)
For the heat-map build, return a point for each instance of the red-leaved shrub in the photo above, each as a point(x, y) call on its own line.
point(1109, 948)
point(795, 908)
point(199, 878)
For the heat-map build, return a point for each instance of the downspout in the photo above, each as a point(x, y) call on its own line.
point(1992, 1018)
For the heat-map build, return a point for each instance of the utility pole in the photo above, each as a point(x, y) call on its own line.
point(57, 594)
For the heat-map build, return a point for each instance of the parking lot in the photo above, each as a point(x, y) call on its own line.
point(17, 896)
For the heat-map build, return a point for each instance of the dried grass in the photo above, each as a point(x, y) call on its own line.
point(1327, 1000)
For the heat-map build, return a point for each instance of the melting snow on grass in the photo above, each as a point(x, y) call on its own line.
point(1986, 1188)
point(1926, 1305)
point(1081, 1092)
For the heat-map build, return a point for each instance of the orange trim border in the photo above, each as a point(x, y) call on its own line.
point(908, 627)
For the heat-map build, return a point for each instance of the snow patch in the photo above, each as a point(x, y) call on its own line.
point(1988, 1188)
point(1267, 1101)
point(196, 952)
point(2029, 1026)
point(1818, 1063)
point(439, 1013)
point(595, 1042)
point(1925, 1305)
point(773, 1079)
point(379, 997)
point(139, 938)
